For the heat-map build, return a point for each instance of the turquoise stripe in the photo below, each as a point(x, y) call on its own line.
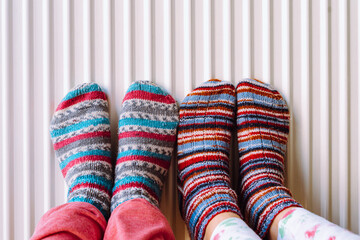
point(143, 153)
point(147, 88)
point(147, 123)
point(92, 179)
point(90, 88)
point(147, 181)
point(83, 154)
point(95, 204)
point(78, 126)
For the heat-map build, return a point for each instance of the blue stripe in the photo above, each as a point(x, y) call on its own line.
point(92, 179)
point(89, 88)
point(78, 126)
point(83, 154)
point(147, 181)
point(207, 144)
point(147, 88)
point(147, 123)
point(143, 153)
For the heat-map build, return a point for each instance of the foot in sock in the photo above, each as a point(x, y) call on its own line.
point(206, 120)
point(80, 131)
point(147, 133)
point(262, 129)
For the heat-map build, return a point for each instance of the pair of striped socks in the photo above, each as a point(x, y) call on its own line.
point(207, 117)
point(80, 131)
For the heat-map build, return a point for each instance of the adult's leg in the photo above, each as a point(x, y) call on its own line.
point(80, 131)
point(207, 201)
point(147, 134)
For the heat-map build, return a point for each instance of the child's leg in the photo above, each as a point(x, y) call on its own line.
point(147, 134)
point(80, 131)
point(76, 220)
point(206, 198)
point(262, 129)
point(298, 223)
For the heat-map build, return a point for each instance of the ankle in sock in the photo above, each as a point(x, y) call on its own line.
point(147, 132)
point(262, 129)
point(80, 131)
point(206, 120)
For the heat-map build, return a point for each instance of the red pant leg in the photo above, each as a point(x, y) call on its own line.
point(140, 220)
point(76, 220)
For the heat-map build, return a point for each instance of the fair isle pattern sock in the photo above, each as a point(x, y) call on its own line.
point(262, 129)
point(80, 131)
point(147, 132)
point(206, 120)
point(299, 223)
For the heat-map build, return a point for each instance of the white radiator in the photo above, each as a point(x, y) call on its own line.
point(309, 50)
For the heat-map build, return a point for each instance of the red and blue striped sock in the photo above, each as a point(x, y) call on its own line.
point(262, 129)
point(147, 132)
point(206, 120)
point(80, 131)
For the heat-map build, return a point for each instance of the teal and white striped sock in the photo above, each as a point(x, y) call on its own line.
point(80, 131)
point(147, 133)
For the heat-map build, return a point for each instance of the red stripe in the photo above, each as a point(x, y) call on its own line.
point(79, 137)
point(132, 134)
point(81, 98)
point(255, 112)
point(138, 94)
point(251, 85)
point(200, 158)
point(262, 155)
point(136, 185)
point(159, 162)
point(90, 185)
point(92, 158)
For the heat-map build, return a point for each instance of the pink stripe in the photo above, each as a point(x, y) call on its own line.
point(149, 96)
point(79, 137)
point(162, 137)
point(92, 158)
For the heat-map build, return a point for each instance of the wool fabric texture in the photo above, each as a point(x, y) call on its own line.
point(206, 120)
point(147, 132)
point(262, 130)
point(80, 131)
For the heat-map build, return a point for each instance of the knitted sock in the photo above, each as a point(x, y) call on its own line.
point(206, 120)
point(299, 223)
point(80, 131)
point(147, 133)
point(262, 129)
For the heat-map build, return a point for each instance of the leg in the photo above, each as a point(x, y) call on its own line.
point(206, 198)
point(147, 133)
point(80, 131)
point(76, 220)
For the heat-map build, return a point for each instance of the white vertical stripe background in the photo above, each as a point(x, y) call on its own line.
point(94, 28)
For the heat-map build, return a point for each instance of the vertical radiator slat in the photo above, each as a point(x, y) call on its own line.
point(87, 41)
point(26, 158)
point(358, 59)
point(227, 35)
point(168, 44)
point(325, 109)
point(343, 115)
point(246, 47)
point(208, 39)
point(266, 42)
point(5, 126)
point(305, 99)
point(148, 41)
point(107, 43)
point(286, 79)
point(188, 46)
point(48, 164)
point(128, 43)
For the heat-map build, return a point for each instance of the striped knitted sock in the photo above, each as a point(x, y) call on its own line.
point(206, 120)
point(262, 129)
point(147, 133)
point(80, 131)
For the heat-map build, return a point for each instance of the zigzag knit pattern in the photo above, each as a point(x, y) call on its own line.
point(206, 120)
point(80, 131)
point(147, 132)
point(262, 129)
